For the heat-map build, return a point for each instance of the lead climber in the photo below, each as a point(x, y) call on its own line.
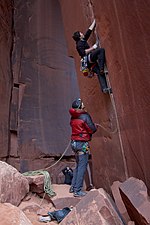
point(82, 130)
point(93, 56)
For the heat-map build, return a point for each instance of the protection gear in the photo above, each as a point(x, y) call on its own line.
point(80, 146)
point(77, 104)
point(92, 25)
point(86, 71)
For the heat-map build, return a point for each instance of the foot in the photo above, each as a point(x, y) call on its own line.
point(79, 194)
point(44, 219)
point(90, 187)
point(107, 90)
point(71, 190)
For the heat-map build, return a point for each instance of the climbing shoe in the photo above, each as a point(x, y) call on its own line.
point(107, 90)
point(79, 194)
point(71, 190)
point(44, 219)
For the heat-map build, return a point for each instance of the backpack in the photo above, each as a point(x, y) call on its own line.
point(68, 172)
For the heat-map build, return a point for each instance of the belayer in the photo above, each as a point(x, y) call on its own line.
point(93, 57)
point(82, 130)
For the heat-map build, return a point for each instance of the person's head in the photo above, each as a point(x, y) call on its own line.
point(77, 36)
point(78, 104)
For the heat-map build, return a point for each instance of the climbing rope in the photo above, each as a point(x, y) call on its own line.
point(112, 100)
point(59, 158)
point(110, 132)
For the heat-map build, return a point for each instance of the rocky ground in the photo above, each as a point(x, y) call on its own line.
point(23, 200)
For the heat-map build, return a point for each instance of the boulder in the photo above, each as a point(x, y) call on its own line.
point(13, 185)
point(134, 194)
point(118, 201)
point(63, 198)
point(36, 183)
point(11, 214)
point(96, 208)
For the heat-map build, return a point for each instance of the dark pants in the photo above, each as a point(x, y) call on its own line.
point(101, 77)
point(98, 57)
point(79, 171)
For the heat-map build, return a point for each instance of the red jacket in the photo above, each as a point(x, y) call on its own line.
point(82, 125)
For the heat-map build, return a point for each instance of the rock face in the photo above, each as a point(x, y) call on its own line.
point(119, 202)
point(126, 43)
point(5, 74)
point(13, 185)
point(34, 125)
point(10, 214)
point(95, 208)
point(47, 83)
point(134, 194)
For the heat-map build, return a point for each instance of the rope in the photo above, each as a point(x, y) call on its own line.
point(112, 101)
point(59, 158)
point(110, 132)
point(42, 199)
point(52, 166)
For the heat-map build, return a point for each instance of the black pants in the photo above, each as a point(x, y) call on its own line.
point(101, 77)
point(97, 57)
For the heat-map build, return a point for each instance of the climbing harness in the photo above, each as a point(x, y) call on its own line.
point(86, 71)
point(80, 147)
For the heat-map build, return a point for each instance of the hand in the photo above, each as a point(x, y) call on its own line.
point(95, 46)
point(97, 125)
point(92, 25)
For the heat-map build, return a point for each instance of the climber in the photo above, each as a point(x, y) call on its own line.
point(93, 56)
point(82, 130)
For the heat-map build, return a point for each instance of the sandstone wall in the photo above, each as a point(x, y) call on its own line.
point(45, 80)
point(123, 29)
point(5, 74)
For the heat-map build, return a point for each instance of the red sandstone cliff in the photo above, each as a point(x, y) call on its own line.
point(124, 32)
point(45, 84)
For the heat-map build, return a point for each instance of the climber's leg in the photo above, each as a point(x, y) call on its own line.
point(99, 56)
point(101, 78)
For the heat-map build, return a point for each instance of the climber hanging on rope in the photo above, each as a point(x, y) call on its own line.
point(92, 58)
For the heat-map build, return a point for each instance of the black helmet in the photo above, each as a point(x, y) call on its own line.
point(77, 104)
point(76, 36)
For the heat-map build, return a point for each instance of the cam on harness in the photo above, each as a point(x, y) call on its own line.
point(85, 68)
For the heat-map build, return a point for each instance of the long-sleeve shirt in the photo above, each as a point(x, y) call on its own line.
point(82, 44)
